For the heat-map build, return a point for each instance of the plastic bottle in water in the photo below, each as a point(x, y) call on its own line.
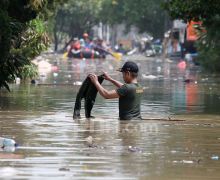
point(5, 142)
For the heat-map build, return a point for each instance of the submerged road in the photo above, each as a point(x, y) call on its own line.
point(54, 146)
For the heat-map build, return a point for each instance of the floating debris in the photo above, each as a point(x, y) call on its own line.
point(64, 169)
point(184, 162)
point(90, 142)
point(214, 157)
point(158, 69)
point(188, 80)
point(149, 76)
point(134, 149)
point(8, 149)
point(5, 142)
point(187, 162)
point(7, 172)
point(77, 83)
point(181, 65)
point(199, 161)
point(17, 80)
point(173, 151)
point(55, 74)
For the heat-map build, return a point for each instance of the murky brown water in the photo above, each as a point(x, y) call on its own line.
point(54, 146)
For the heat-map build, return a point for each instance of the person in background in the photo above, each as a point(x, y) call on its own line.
point(74, 46)
point(121, 49)
point(87, 42)
point(100, 48)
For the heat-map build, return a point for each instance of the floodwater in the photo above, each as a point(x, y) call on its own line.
point(54, 146)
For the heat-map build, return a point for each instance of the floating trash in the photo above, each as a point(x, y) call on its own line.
point(187, 162)
point(5, 142)
point(55, 74)
point(7, 145)
point(8, 172)
point(134, 149)
point(149, 76)
point(184, 162)
point(214, 157)
point(77, 83)
point(17, 80)
point(90, 142)
point(9, 149)
point(181, 65)
point(64, 169)
point(158, 69)
point(173, 151)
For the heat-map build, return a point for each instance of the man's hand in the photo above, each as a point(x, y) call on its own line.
point(93, 78)
point(113, 81)
point(105, 93)
point(106, 76)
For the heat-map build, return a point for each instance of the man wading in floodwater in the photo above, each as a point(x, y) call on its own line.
point(129, 94)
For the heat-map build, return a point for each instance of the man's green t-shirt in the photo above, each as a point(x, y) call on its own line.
point(130, 101)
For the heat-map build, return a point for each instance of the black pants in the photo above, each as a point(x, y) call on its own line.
point(87, 91)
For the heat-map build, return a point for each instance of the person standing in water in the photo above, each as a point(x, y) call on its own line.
point(129, 93)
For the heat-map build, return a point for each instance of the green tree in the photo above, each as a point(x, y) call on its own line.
point(22, 36)
point(79, 16)
point(147, 15)
point(75, 18)
point(207, 11)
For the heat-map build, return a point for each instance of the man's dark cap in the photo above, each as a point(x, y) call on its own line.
point(129, 66)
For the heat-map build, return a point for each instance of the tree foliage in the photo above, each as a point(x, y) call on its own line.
point(147, 15)
point(198, 10)
point(209, 45)
point(22, 36)
point(75, 18)
point(207, 11)
point(79, 16)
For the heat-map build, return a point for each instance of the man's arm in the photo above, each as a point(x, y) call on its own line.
point(116, 83)
point(104, 92)
point(113, 81)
